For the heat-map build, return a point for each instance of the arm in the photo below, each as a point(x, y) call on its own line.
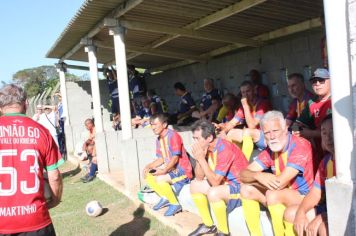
point(199, 173)
point(56, 185)
point(169, 167)
point(253, 175)
point(286, 176)
point(199, 154)
point(152, 165)
point(250, 120)
point(308, 203)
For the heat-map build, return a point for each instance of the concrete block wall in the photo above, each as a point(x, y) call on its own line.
point(293, 53)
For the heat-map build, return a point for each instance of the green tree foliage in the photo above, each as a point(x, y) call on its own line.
point(36, 80)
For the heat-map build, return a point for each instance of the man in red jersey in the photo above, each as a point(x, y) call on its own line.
point(216, 184)
point(171, 168)
point(289, 158)
point(26, 150)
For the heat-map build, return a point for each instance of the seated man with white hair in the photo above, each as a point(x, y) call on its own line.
point(279, 177)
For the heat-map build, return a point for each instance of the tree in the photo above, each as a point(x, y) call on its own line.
point(36, 80)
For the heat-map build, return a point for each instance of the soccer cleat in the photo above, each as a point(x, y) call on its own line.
point(172, 210)
point(162, 203)
point(88, 179)
point(203, 229)
point(84, 177)
point(221, 234)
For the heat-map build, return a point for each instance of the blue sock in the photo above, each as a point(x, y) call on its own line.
point(93, 169)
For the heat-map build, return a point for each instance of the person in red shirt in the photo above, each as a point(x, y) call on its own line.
point(172, 166)
point(315, 112)
point(300, 95)
point(279, 177)
point(27, 149)
point(310, 216)
point(218, 164)
point(251, 110)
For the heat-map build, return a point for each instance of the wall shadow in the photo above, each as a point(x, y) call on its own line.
point(138, 226)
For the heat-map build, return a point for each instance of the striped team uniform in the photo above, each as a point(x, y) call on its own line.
point(297, 155)
point(172, 145)
point(325, 171)
point(227, 160)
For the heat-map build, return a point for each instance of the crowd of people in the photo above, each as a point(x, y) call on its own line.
point(287, 177)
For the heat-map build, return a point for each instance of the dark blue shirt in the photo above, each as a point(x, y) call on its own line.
point(207, 98)
point(113, 89)
point(186, 103)
point(161, 105)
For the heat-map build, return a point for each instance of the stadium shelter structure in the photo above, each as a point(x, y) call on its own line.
point(188, 41)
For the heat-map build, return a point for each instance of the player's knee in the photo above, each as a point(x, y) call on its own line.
point(273, 197)
point(194, 186)
point(247, 191)
point(289, 213)
point(213, 195)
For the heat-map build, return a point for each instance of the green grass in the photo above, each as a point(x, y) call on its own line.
point(121, 216)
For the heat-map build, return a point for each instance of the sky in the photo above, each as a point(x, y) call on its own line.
point(28, 29)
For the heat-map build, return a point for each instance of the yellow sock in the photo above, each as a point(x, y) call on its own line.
point(151, 181)
point(289, 230)
point(219, 209)
point(247, 146)
point(251, 209)
point(277, 212)
point(168, 192)
point(201, 202)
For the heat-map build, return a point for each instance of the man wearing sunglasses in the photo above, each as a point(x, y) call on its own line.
point(316, 111)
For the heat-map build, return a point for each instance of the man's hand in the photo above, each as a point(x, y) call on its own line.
point(159, 172)
point(146, 171)
point(300, 223)
point(244, 102)
point(198, 152)
point(312, 228)
point(270, 181)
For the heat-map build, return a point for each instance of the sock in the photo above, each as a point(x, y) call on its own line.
point(247, 146)
point(93, 169)
point(151, 181)
point(277, 212)
point(167, 192)
point(289, 230)
point(219, 209)
point(251, 210)
point(201, 202)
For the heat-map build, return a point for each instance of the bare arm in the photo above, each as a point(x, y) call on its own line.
point(214, 179)
point(56, 185)
point(250, 120)
point(169, 167)
point(286, 176)
point(152, 165)
point(308, 203)
point(199, 173)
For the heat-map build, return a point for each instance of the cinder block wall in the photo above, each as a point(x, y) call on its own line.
point(292, 53)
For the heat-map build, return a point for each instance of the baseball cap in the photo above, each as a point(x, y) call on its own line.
point(320, 73)
point(39, 106)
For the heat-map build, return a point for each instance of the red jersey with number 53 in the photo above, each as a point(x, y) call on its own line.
point(26, 149)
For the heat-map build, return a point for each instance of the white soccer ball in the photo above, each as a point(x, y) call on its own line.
point(93, 209)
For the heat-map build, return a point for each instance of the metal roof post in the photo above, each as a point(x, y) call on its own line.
point(94, 81)
point(124, 98)
point(62, 69)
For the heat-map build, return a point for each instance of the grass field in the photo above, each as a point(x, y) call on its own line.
point(120, 217)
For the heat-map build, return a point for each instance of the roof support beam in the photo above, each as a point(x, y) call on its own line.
point(210, 19)
point(154, 52)
point(305, 25)
point(157, 28)
point(117, 12)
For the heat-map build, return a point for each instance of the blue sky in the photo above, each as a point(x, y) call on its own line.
point(29, 28)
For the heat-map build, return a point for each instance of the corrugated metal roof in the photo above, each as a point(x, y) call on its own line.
point(152, 48)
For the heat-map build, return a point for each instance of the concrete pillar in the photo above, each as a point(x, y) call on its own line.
point(124, 98)
point(63, 88)
point(340, 190)
point(94, 81)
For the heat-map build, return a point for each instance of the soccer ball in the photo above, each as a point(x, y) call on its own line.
point(93, 209)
